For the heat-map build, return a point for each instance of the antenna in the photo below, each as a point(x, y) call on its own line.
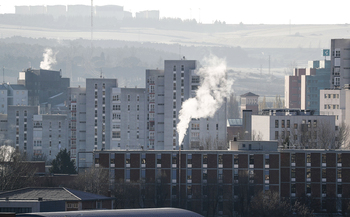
point(92, 22)
point(180, 51)
point(101, 73)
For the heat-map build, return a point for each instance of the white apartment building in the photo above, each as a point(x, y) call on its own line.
point(299, 126)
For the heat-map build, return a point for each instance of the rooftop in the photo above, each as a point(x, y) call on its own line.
point(50, 194)
point(249, 94)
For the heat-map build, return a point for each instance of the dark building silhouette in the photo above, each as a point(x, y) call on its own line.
point(44, 86)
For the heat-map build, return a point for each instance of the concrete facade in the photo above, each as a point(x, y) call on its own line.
point(167, 90)
point(340, 63)
point(299, 128)
point(320, 175)
point(20, 127)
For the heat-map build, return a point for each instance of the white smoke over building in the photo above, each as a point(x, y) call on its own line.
point(49, 59)
point(210, 96)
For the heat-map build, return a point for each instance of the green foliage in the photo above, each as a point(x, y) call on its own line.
point(63, 163)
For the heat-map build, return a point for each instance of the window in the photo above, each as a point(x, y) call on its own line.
point(205, 159)
point(339, 160)
point(292, 158)
point(251, 159)
point(292, 174)
point(282, 124)
point(276, 135)
point(235, 159)
point(292, 188)
point(308, 188)
point(339, 174)
point(276, 124)
point(267, 159)
point(295, 126)
point(137, 98)
point(128, 97)
point(308, 158)
point(288, 123)
point(195, 79)
point(324, 173)
point(182, 68)
point(308, 173)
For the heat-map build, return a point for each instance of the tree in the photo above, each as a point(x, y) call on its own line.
point(262, 104)
point(269, 204)
point(14, 171)
point(232, 107)
point(63, 163)
point(93, 180)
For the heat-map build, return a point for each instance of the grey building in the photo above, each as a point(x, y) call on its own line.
point(340, 63)
point(98, 112)
point(76, 103)
point(44, 86)
point(49, 135)
point(20, 127)
point(166, 91)
point(17, 94)
point(128, 124)
point(3, 99)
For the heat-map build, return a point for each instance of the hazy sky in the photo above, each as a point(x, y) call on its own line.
point(230, 11)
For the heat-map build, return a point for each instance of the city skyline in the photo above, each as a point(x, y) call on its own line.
point(263, 12)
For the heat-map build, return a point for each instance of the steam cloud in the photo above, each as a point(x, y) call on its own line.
point(210, 95)
point(49, 59)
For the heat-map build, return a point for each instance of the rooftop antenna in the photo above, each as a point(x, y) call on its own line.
point(180, 51)
point(101, 73)
point(92, 22)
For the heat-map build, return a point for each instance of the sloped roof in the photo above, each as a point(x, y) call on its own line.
point(159, 212)
point(18, 87)
point(249, 94)
point(50, 194)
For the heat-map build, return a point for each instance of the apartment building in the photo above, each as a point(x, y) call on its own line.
point(128, 123)
point(50, 135)
point(166, 91)
point(76, 104)
point(20, 127)
point(221, 177)
point(298, 128)
point(340, 63)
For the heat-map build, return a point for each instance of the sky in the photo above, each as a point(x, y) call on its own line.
point(230, 11)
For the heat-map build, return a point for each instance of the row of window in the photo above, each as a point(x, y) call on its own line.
point(331, 106)
point(334, 96)
point(286, 124)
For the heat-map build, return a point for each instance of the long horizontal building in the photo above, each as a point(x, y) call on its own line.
point(322, 177)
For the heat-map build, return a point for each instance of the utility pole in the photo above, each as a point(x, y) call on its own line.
point(269, 64)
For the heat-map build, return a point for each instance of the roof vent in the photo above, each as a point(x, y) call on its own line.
point(40, 199)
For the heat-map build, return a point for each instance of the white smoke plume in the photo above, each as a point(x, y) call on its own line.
point(49, 59)
point(210, 95)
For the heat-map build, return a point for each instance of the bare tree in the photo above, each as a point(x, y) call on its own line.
point(256, 136)
point(232, 107)
point(208, 143)
point(14, 171)
point(321, 135)
point(269, 204)
point(93, 180)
